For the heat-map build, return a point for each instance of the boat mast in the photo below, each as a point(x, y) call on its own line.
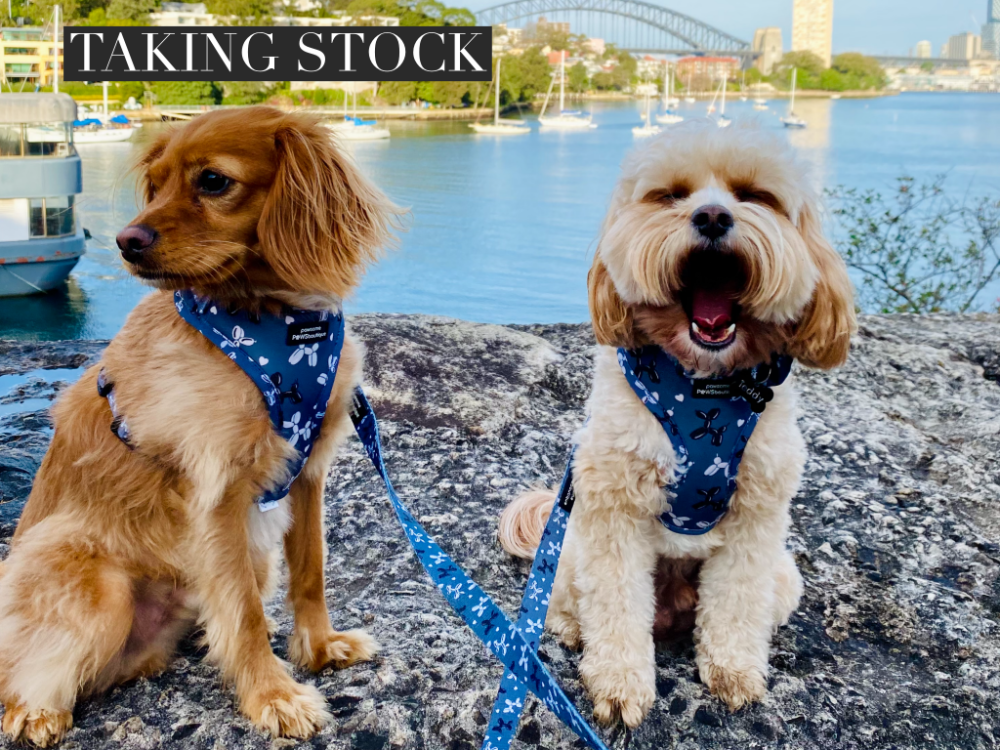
point(666, 85)
point(104, 85)
point(562, 81)
point(545, 104)
point(496, 105)
point(791, 103)
point(722, 109)
point(55, 50)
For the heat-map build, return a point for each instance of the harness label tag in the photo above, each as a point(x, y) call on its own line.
point(307, 333)
point(720, 388)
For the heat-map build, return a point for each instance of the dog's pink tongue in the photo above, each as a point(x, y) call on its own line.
point(712, 309)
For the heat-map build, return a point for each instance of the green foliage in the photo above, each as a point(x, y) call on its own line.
point(626, 70)
point(859, 71)
point(186, 92)
point(577, 78)
point(917, 250)
point(603, 81)
point(754, 76)
point(833, 80)
point(927, 67)
point(40, 11)
point(413, 12)
point(241, 12)
point(808, 63)
point(525, 75)
point(398, 92)
point(99, 17)
point(246, 92)
point(444, 93)
point(131, 10)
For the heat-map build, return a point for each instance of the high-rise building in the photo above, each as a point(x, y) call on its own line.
point(768, 43)
point(923, 49)
point(991, 29)
point(812, 28)
point(963, 46)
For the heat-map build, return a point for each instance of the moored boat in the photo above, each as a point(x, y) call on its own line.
point(40, 176)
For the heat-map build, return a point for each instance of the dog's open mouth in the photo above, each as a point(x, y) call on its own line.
point(713, 281)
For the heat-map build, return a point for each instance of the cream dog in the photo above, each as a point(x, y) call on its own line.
point(712, 250)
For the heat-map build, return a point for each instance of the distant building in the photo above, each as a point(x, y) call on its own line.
point(26, 56)
point(923, 49)
point(543, 26)
point(768, 42)
point(991, 29)
point(965, 46)
point(595, 46)
point(712, 67)
point(196, 14)
point(812, 28)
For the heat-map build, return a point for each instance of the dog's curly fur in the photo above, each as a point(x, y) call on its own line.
point(120, 552)
point(793, 297)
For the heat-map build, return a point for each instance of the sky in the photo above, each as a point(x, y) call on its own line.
point(875, 27)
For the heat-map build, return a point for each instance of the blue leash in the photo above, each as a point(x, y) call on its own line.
point(534, 608)
point(514, 645)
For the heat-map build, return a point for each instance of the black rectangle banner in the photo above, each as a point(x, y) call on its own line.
point(278, 53)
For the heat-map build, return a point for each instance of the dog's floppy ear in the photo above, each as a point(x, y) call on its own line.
point(153, 151)
point(322, 222)
point(822, 338)
point(611, 319)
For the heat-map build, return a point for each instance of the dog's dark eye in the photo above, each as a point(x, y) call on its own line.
point(212, 183)
point(667, 196)
point(760, 197)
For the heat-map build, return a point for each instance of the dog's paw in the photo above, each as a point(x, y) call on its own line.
point(621, 693)
point(566, 629)
point(41, 727)
point(339, 649)
point(288, 709)
point(735, 687)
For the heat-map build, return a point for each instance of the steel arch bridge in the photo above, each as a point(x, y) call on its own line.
point(631, 24)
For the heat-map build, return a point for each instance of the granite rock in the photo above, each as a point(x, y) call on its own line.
point(895, 528)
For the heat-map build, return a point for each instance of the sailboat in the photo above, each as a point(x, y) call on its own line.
point(565, 119)
point(760, 104)
point(711, 104)
point(647, 128)
point(669, 117)
point(103, 128)
point(499, 127)
point(792, 120)
point(353, 128)
point(723, 121)
point(689, 99)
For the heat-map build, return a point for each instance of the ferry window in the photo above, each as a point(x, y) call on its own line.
point(59, 216)
point(51, 217)
point(10, 140)
point(37, 217)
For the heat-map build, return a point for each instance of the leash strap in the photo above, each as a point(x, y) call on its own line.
point(534, 608)
point(504, 639)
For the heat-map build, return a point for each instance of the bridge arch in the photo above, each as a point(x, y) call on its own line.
point(679, 33)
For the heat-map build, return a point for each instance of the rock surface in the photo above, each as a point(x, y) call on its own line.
point(896, 529)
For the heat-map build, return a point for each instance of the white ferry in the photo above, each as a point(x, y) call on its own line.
point(40, 177)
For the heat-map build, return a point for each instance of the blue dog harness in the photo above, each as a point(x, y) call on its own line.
point(708, 421)
point(292, 359)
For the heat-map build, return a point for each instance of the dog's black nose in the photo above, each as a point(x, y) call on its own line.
point(712, 221)
point(134, 241)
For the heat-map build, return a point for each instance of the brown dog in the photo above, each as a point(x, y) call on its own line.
point(120, 551)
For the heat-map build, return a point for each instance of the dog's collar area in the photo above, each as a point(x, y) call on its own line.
point(291, 357)
point(708, 421)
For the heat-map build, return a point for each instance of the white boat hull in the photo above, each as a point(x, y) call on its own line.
point(499, 128)
point(103, 135)
point(669, 119)
point(645, 131)
point(566, 122)
point(793, 122)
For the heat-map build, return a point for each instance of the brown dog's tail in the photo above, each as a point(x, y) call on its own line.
point(523, 521)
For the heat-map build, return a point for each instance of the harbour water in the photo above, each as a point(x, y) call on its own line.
point(503, 229)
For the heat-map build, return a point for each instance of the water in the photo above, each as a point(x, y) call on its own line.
point(503, 229)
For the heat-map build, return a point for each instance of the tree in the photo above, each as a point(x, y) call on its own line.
point(917, 250)
point(626, 70)
point(246, 92)
point(130, 10)
point(578, 77)
point(927, 67)
point(603, 81)
point(242, 12)
point(860, 71)
point(810, 69)
point(398, 92)
point(525, 75)
point(186, 92)
point(443, 93)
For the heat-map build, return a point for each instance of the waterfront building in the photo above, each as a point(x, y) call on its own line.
point(712, 68)
point(964, 46)
point(551, 27)
point(767, 41)
point(26, 56)
point(196, 14)
point(812, 28)
point(923, 49)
